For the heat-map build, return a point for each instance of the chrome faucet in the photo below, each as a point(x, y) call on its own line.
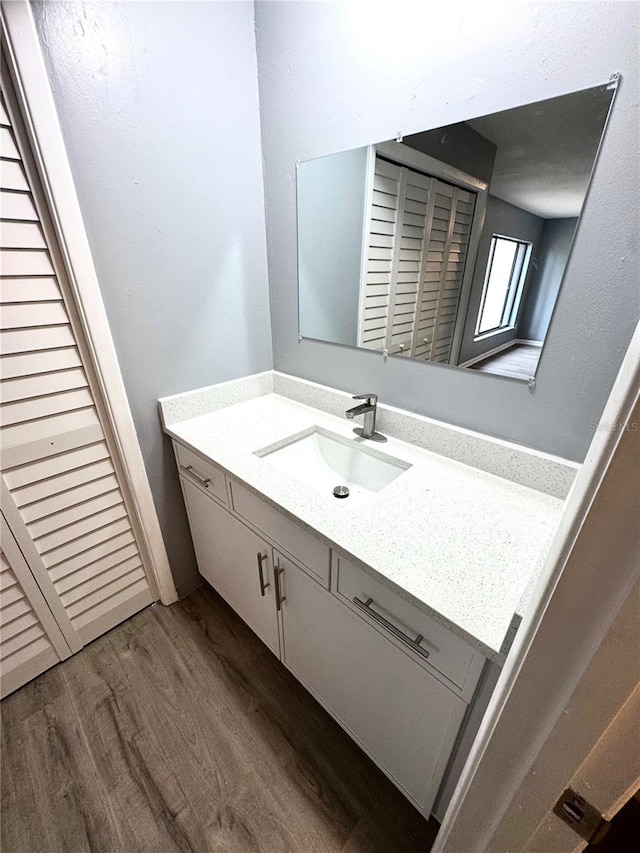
point(368, 409)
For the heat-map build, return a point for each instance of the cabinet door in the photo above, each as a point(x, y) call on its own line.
point(235, 561)
point(402, 716)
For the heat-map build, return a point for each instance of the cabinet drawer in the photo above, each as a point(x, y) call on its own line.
point(447, 653)
point(312, 554)
point(203, 474)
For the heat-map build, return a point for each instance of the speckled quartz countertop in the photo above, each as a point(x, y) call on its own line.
point(460, 543)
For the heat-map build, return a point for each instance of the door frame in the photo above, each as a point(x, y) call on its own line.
point(587, 578)
point(25, 61)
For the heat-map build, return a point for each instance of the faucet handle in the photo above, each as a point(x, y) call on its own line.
point(372, 399)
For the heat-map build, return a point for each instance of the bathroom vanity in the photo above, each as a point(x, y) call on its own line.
point(394, 606)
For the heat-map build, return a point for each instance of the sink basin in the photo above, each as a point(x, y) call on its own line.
point(324, 460)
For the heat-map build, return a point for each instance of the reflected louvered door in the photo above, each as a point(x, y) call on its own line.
point(435, 269)
point(409, 257)
point(417, 244)
point(30, 639)
point(449, 228)
point(462, 208)
point(60, 489)
point(383, 217)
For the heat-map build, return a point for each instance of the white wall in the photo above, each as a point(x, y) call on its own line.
point(158, 104)
point(335, 76)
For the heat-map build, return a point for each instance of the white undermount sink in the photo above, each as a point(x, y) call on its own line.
point(324, 461)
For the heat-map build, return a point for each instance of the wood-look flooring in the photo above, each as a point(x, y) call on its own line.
point(180, 731)
point(518, 362)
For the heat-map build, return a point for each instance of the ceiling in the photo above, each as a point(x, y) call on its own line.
point(546, 151)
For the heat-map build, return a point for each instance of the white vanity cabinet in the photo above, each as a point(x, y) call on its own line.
point(348, 638)
point(234, 560)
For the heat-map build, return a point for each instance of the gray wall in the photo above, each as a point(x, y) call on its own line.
point(331, 202)
point(158, 104)
point(510, 221)
point(544, 284)
point(458, 145)
point(334, 78)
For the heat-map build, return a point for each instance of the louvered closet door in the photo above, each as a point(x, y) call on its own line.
point(60, 490)
point(30, 640)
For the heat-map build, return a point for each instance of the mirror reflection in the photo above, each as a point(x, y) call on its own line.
point(451, 245)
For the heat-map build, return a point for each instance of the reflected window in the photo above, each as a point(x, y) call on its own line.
point(503, 284)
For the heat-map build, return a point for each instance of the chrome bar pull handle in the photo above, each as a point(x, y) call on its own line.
point(188, 469)
point(397, 633)
point(277, 571)
point(263, 585)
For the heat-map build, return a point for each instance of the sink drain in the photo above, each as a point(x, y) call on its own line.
point(341, 492)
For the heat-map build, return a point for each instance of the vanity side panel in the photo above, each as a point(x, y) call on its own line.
point(466, 736)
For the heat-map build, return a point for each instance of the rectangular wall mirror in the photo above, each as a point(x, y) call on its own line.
point(451, 245)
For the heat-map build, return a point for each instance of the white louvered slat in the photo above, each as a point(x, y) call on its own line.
point(30, 432)
point(75, 476)
point(40, 384)
point(64, 518)
point(15, 608)
point(8, 149)
point(21, 235)
point(96, 619)
point(41, 407)
point(71, 497)
point(60, 490)
point(11, 593)
point(12, 177)
point(123, 549)
point(95, 556)
point(25, 262)
point(32, 363)
point(29, 314)
point(14, 626)
point(15, 205)
point(83, 597)
point(108, 596)
point(123, 558)
point(36, 340)
point(59, 463)
point(29, 290)
point(74, 547)
point(7, 579)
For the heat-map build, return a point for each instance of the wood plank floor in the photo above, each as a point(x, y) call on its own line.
point(518, 362)
point(180, 731)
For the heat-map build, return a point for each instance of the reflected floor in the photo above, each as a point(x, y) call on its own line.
point(518, 362)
